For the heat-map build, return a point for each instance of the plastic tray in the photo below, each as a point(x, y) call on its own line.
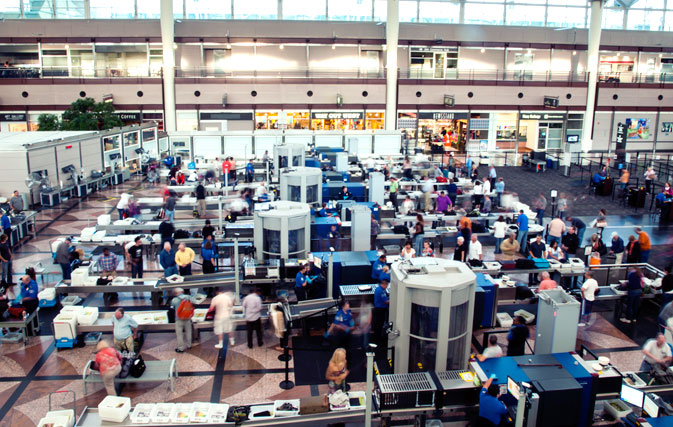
point(280, 413)
point(71, 300)
point(260, 408)
point(92, 338)
point(199, 412)
point(12, 337)
point(218, 413)
point(162, 413)
point(181, 413)
point(142, 414)
point(114, 408)
point(358, 395)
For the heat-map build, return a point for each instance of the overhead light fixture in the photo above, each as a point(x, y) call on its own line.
point(483, 50)
point(574, 52)
point(660, 55)
point(619, 54)
point(530, 51)
point(281, 47)
point(333, 46)
point(67, 46)
point(385, 47)
point(228, 45)
point(175, 45)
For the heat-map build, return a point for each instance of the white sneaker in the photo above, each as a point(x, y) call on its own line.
point(581, 324)
point(232, 341)
point(218, 345)
point(625, 320)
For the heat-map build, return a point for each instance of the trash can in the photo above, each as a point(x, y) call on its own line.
point(637, 197)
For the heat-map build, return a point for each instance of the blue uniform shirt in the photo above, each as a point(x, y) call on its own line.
point(377, 267)
point(207, 254)
point(491, 408)
point(522, 222)
point(6, 223)
point(322, 212)
point(380, 298)
point(384, 276)
point(28, 291)
point(249, 168)
point(344, 318)
point(300, 280)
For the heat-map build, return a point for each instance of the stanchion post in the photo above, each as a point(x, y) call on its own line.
point(330, 275)
point(286, 384)
point(285, 357)
point(237, 281)
point(370, 384)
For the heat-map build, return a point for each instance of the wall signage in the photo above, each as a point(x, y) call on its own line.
point(12, 117)
point(542, 116)
point(338, 115)
point(441, 115)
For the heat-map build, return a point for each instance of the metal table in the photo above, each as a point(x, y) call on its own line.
point(32, 320)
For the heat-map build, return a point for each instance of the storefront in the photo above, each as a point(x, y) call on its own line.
point(282, 120)
point(154, 117)
point(15, 122)
point(480, 130)
point(223, 121)
point(504, 127)
point(432, 125)
point(541, 131)
point(337, 120)
point(375, 120)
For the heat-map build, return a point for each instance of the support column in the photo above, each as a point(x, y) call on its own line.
point(167, 41)
point(392, 35)
point(592, 68)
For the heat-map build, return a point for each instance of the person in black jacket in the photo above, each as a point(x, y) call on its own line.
point(632, 250)
point(570, 242)
point(166, 229)
point(208, 230)
point(517, 337)
point(201, 199)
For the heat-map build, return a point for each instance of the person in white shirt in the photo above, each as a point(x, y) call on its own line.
point(487, 186)
point(261, 190)
point(223, 304)
point(252, 304)
point(588, 295)
point(499, 229)
point(657, 352)
point(407, 206)
point(370, 164)
point(408, 252)
point(474, 251)
point(428, 189)
point(493, 350)
point(477, 194)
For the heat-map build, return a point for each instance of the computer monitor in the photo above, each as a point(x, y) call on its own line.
point(650, 407)
point(513, 388)
point(317, 261)
point(632, 396)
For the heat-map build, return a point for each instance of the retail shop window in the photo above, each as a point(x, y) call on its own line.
point(433, 63)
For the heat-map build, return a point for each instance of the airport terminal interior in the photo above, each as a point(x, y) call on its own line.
point(322, 213)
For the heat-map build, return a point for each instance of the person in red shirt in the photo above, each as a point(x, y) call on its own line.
point(226, 167)
point(109, 363)
point(546, 283)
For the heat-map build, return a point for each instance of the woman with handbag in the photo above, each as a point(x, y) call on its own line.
point(109, 363)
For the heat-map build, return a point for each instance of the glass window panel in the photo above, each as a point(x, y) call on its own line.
point(424, 321)
point(258, 9)
point(301, 10)
point(271, 242)
point(380, 10)
point(10, 9)
point(209, 9)
point(669, 22)
point(525, 15)
point(568, 2)
point(650, 4)
point(69, 9)
point(645, 20)
point(350, 10)
point(422, 355)
point(439, 12)
point(478, 13)
point(295, 242)
point(295, 193)
point(150, 9)
point(119, 9)
point(178, 8)
point(311, 193)
point(458, 317)
point(38, 9)
point(566, 17)
point(613, 19)
point(111, 142)
point(408, 11)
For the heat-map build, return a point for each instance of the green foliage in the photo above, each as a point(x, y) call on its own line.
point(48, 122)
point(83, 114)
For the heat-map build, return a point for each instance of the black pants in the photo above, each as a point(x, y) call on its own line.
point(208, 267)
point(257, 326)
point(393, 200)
point(137, 270)
point(301, 293)
point(186, 270)
point(379, 317)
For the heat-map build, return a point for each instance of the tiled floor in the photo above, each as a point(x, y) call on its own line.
point(234, 375)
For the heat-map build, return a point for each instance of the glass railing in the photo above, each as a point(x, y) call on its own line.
point(32, 71)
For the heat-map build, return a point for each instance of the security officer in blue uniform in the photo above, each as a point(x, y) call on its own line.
point(302, 282)
point(380, 314)
point(377, 268)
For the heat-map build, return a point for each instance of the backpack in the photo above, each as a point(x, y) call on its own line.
point(181, 234)
point(137, 367)
point(185, 310)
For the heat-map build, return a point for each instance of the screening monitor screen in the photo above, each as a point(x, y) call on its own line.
point(573, 138)
point(632, 396)
point(317, 262)
point(650, 406)
point(513, 388)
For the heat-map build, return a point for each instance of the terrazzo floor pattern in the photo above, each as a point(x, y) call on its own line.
point(234, 375)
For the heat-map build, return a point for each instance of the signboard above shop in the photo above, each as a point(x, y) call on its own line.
point(543, 116)
point(12, 117)
point(225, 116)
point(441, 115)
point(128, 117)
point(667, 127)
point(338, 115)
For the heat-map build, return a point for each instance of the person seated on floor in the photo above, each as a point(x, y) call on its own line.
point(546, 283)
point(337, 372)
point(510, 247)
point(657, 354)
point(493, 350)
point(343, 322)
